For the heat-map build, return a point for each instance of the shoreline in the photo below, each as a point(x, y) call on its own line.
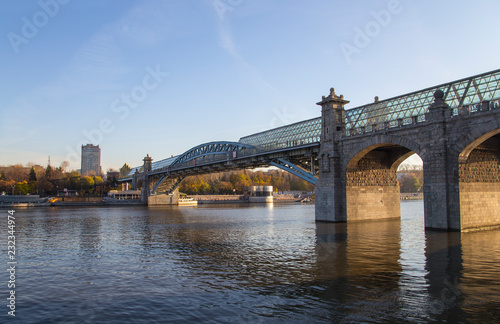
point(212, 200)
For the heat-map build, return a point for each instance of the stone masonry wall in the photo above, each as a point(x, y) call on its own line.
point(372, 202)
point(372, 191)
point(480, 189)
point(163, 199)
point(371, 172)
point(479, 204)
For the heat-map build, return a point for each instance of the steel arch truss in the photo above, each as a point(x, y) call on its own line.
point(213, 148)
point(293, 169)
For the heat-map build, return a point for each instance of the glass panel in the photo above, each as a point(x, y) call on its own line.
point(470, 91)
point(301, 133)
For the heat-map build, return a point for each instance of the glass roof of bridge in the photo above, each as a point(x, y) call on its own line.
point(305, 132)
point(469, 91)
point(163, 163)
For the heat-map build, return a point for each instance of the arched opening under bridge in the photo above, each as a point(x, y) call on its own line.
point(373, 190)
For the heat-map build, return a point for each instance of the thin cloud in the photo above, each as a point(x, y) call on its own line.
point(228, 43)
point(101, 62)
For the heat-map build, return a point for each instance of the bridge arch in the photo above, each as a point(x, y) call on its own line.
point(166, 179)
point(372, 186)
point(374, 142)
point(213, 149)
point(479, 178)
point(167, 183)
point(475, 137)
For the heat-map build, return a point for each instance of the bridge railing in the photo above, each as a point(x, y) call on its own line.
point(413, 120)
point(471, 109)
point(455, 112)
point(465, 96)
point(279, 145)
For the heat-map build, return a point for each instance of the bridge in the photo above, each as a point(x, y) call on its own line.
point(352, 155)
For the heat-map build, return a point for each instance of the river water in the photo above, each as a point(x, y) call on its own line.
point(252, 264)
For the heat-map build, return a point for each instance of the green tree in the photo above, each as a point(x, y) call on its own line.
point(44, 186)
point(410, 183)
point(87, 182)
point(32, 175)
point(203, 187)
point(298, 184)
point(49, 172)
point(22, 188)
point(73, 180)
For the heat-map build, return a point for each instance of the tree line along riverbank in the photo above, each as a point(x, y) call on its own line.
point(50, 181)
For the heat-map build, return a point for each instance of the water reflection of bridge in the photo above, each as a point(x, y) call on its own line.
point(352, 155)
point(387, 269)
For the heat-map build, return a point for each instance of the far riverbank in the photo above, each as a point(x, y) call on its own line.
point(8, 201)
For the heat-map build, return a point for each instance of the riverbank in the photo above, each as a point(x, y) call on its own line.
point(412, 196)
point(17, 201)
point(238, 199)
point(82, 201)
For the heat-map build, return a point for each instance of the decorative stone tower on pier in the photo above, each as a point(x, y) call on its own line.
point(147, 167)
point(330, 193)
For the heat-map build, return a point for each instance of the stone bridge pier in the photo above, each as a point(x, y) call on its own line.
point(460, 150)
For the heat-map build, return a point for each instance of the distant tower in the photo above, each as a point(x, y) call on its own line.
point(91, 159)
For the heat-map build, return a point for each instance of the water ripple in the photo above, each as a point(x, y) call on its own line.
point(254, 264)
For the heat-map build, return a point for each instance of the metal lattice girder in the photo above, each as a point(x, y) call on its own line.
point(166, 184)
point(212, 148)
point(157, 184)
point(293, 169)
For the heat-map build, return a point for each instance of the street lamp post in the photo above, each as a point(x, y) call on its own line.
point(13, 186)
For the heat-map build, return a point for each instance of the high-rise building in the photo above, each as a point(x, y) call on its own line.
point(91, 159)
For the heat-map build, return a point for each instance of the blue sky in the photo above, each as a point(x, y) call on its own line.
point(159, 77)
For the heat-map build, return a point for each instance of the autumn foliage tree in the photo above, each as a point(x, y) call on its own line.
point(410, 183)
point(411, 178)
point(36, 179)
point(235, 182)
